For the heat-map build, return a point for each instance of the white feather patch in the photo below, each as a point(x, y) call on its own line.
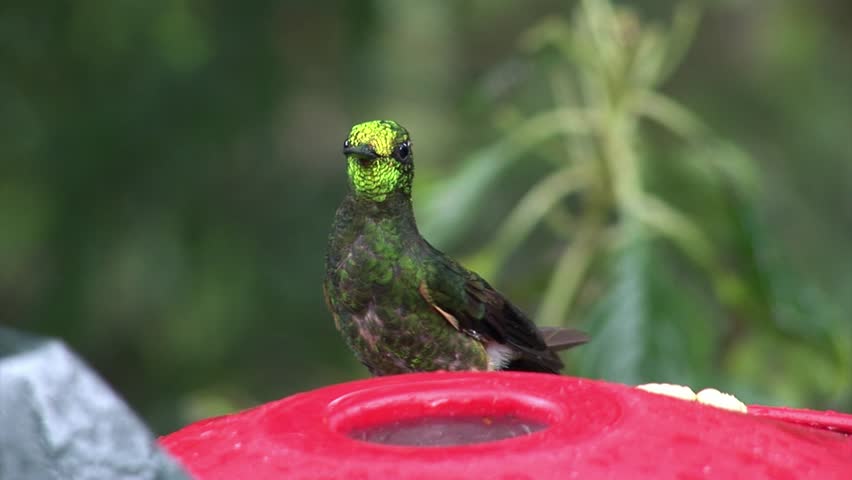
point(499, 355)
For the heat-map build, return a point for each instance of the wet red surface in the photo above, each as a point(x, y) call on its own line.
point(591, 429)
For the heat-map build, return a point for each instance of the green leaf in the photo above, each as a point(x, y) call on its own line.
point(673, 116)
point(529, 212)
point(651, 325)
point(450, 203)
point(619, 322)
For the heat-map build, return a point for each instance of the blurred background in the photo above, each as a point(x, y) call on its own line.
point(675, 178)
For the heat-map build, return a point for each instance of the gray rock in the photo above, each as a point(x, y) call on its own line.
point(59, 420)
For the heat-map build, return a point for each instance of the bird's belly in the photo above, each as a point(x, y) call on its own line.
point(391, 340)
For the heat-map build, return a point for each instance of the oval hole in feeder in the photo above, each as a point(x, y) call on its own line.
point(447, 431)
point(440, 417)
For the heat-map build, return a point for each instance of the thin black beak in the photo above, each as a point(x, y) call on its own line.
point(363, 151)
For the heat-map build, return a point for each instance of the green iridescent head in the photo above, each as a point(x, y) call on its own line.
point(379, 159)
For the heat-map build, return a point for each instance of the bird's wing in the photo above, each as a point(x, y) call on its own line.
point(473, 306)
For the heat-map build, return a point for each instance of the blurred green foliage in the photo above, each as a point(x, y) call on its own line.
point(675, 178)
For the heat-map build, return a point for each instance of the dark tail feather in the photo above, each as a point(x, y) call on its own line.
point(524, 364)
point(559, 338)
point(547, 361)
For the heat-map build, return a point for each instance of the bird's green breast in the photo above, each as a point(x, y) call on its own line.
point(375, 267)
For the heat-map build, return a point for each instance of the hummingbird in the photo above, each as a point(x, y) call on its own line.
point(401, 304)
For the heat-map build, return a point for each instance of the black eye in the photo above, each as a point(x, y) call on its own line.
point(403, 151)
point(346, 143)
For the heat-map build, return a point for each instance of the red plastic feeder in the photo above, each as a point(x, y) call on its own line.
point(508, 425)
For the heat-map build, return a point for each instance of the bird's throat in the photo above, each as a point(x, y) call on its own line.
point(395, 207)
